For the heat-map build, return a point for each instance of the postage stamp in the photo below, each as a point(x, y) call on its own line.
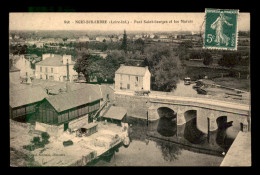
point(221, 29)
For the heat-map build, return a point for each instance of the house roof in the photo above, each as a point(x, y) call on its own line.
point(13, 69)
point(56, 60)
point(74, 98)
point(131, 70)
point(26, 96)
point(115, 112)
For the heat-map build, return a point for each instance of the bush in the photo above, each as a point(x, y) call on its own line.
point(39, 145)
point(45, 136)
point(36, 140)
point(230, 59)
point(207, 58)
point(29, 147)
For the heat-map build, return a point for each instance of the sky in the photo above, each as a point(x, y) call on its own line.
point(55, 21)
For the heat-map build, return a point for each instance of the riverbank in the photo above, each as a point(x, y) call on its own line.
point(239, 153)
point(82, 151)
point(147, 151)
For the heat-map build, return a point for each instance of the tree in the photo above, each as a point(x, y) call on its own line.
point(145, 63)
point(139, 45)
point(229, 59)
point(164, 66)
point(124, 42)
point(182, 49)
point(195, 55)
point(82, 65)
point(207, 58)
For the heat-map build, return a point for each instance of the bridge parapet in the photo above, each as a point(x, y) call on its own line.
point(204, 103)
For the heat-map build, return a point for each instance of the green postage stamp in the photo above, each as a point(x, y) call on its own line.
point(221, 29)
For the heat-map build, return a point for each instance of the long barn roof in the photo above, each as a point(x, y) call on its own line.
point(74, 98)
point(26, 96)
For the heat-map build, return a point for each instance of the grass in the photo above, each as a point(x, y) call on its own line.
point(242, 84)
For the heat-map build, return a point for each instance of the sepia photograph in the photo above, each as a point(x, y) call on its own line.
point(130, 89)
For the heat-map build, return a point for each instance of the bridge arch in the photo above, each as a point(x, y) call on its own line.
point(166, 112)
point(167, 123)
point(190, 114)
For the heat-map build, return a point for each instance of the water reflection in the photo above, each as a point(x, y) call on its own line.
point(169, 150)
point(192, 134)
point(167, 125)
point(223, 139)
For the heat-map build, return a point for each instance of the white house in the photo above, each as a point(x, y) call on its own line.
point(132, 78)
point(23, 65)
point(54, 67)
point(83, 39)
point(39, 45)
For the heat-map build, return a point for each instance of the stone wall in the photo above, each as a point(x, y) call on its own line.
point(135, 106)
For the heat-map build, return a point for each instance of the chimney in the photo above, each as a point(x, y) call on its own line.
point(66, 59)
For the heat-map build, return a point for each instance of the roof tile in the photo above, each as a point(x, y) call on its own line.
point(131, 70)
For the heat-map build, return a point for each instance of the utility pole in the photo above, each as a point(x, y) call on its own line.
point(68, 79)
point(208, 128)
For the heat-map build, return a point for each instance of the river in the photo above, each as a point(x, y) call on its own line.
point(147, 151)
point(186, 145)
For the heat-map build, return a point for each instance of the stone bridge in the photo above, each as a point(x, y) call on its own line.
point(208, 111)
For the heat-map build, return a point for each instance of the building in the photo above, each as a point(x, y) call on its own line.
point(20, 62)
point(23, 102)
point(132, 78)
point(98, 53)
point(62, 110)
point(163, 36)
point(55, 67)
point(39, 44)
point(71, 40)
point(30, 41)
point(14, 75)
point(83, 39)
point(102, 39)
point(115, 115)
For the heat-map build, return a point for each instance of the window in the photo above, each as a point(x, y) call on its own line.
point(128, 86)
point(128, 77)
point(121, 85)
point(40, 76)
point(46, 69)
point(40, 69)
point(136, 78)
point(51, 70)
point(121, 77)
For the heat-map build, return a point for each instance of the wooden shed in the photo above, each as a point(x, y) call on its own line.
point(63, 108)
point(115, 115)
point(23, 102)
